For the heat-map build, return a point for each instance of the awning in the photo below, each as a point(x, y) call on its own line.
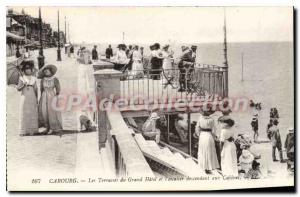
point(14, 36)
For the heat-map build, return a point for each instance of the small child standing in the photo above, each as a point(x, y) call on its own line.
point(254, 125)
point(50, 88)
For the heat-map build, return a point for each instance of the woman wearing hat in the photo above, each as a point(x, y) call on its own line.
point(28, 102)
point(167, 62)
point(228, 149)
point(205, 130)
point(50, 88)
point(156, 62)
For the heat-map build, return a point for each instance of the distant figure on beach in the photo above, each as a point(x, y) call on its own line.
point(150, 130)
point(276, 141)
point(205, 130)
point(50, 88)
point(137, 66)
point(290, 149)
point(94, 53)
point(109, 52)
point(254, 125)
point(29, 100)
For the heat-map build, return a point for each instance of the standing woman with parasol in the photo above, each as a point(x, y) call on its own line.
point(29, 99)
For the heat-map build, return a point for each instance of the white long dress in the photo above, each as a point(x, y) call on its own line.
point(167, 66)
point(207, 155)
point(137, 66)
point(228, 154)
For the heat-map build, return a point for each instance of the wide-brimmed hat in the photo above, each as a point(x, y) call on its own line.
point(227, 120)
point(51, 67)
point(26, 63)
point(193, 47)
point(154, 116)
point(246, 157)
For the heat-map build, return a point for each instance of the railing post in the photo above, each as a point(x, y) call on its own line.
point(107, 87)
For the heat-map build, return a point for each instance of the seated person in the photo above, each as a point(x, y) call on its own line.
point(150, 130)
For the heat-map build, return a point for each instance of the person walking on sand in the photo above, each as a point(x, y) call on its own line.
point(29, 100)
point(228, 150)
point(205, 131)
point(276, 141)
point(254, 125)
point(50, 88)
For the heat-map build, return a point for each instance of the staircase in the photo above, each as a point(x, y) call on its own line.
point(168, 161)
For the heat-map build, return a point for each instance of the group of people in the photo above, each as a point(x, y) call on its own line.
point(220, 148)
point(35, 113)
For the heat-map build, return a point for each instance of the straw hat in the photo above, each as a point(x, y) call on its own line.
point(52, 68)
point(154, 116)
point(246, 157)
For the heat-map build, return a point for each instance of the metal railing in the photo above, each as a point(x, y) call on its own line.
point(173, 85)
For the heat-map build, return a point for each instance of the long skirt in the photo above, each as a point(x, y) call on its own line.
point(48, 116)
point(28, 112)
point(137, 69)
point(207, 155)
point(229, 159)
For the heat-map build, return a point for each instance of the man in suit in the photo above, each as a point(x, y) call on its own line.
point(94, 53)
point(109, 52)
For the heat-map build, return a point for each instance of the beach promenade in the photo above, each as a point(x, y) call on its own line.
point(72, 154)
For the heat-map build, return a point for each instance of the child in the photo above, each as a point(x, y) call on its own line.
point(254, 124)
point(246, 160)
point(50, 88)
point(28, 102)
point(254, 172)
point(276, 141)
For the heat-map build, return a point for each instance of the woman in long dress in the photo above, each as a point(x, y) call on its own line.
point(228, 148)
point(28, 102)
point(167, 63)
point(50, 88)
point(137, 66)
point(205, 130)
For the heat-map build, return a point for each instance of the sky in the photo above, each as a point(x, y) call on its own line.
point(170, 24)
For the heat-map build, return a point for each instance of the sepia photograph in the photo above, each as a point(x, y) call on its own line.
point(149, 98)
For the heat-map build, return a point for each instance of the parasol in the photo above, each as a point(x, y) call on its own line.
point(13, 70)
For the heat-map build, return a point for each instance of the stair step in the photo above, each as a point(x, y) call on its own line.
point(142, 143)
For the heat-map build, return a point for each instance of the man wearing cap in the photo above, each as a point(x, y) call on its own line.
point(150, 131)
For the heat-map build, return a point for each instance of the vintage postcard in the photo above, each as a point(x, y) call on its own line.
point(149, 98)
